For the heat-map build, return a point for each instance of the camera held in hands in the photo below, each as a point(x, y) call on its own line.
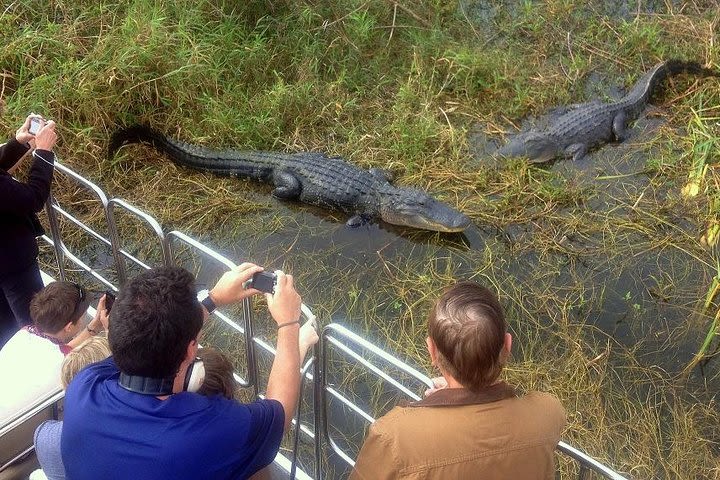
point(36, 123)
point(263, 281)
point(109, 299)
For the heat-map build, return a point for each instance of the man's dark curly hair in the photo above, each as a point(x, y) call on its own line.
point(155, 317)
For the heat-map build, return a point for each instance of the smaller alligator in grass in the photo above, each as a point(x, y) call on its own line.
point(591, 124)
point(312, 178)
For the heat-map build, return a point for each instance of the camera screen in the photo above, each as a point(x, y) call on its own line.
point(35, 124)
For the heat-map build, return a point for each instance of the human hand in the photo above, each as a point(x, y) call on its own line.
point(229, 289)
point(308, 337)
point(438, 384)
point(22, 134)
point(102, 312)
point(284, 304)
point(101, 320)
point(46, 137)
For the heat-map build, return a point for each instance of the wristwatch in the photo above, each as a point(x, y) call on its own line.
point(203, 297)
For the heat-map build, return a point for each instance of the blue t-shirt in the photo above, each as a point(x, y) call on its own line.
point(111, 433)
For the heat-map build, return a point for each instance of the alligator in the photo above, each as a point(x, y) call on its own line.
point(311, 177)
point(589, 125)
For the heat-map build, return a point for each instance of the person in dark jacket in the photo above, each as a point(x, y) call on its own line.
point(19, 225)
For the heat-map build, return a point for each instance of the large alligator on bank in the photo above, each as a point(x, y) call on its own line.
point(312, 178)
point(591, 124)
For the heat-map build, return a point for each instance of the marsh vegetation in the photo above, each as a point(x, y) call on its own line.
point(608, 267)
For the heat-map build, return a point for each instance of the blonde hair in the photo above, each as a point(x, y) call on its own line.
point(90, 351)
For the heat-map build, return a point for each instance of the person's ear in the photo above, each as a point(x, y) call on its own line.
point(432, 350)
point(505, 351)
point(192, 349)
point(70, 328)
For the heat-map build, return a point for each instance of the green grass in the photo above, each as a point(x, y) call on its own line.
point(403, 86)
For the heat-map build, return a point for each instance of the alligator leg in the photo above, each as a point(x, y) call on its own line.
point(287, 186)
point(618, 126)
point(576, 151)
point(358, 220)
point(381, 174)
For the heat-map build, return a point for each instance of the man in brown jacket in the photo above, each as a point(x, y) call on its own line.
point(472, 425)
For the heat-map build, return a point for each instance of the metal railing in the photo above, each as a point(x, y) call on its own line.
point(335, 339)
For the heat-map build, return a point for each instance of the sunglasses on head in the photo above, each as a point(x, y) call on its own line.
point(81, 293)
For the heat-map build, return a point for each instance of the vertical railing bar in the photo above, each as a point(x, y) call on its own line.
point(319, 404)
point(250, 346)
point(296, 437)
point(149, 220)
point(57, 237)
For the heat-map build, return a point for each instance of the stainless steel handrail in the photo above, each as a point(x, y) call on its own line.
point(346, 342)
point(60, 248)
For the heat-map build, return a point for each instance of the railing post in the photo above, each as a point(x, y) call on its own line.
point(120, 267)
point(319, 403)
point(250, 347)
point(55, 235)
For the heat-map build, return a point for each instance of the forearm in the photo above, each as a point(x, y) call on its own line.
point(93, 328)
point(11, 153)
point(284, 381)
point(26, 198)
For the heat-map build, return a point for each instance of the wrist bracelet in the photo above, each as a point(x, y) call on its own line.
point(296, 322)
point(92, 332)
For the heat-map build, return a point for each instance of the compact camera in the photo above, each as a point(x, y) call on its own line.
point(109, 299)
point(263, 281)
point(36, 123)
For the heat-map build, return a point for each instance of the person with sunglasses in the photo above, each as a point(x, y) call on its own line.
point(30, 361)
point(19, 203)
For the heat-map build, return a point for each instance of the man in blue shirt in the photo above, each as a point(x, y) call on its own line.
point(129, 416)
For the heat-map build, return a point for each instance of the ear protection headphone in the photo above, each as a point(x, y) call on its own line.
point(194, 376)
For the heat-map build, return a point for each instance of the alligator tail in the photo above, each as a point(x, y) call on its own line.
point(675, 67)
point(136, 134)
point(256, 165)
point(644, 88)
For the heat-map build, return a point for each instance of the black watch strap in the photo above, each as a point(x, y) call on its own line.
point(204, 296)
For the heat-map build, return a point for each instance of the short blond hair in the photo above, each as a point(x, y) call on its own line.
point(90, 351)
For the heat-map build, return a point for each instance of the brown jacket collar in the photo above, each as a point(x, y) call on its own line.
point(450, 397)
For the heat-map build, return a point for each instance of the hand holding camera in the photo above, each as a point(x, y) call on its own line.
point(39, 129)
point(230, 288)
point(284, 303)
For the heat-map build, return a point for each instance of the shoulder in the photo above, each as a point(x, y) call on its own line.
point(92, 373)
point(255, 416)
point(548, 407)
point(543, 400)
point(266, 413)
point(387, 427)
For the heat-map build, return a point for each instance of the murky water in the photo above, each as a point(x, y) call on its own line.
point(484, 12)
